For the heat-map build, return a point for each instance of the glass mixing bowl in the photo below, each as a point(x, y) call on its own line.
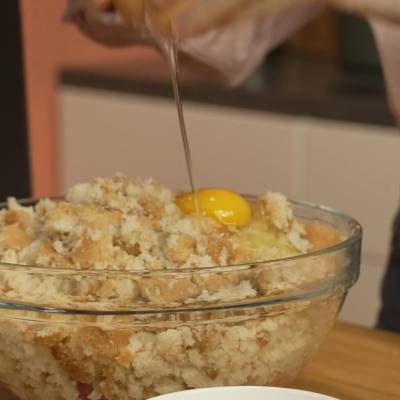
point(254, 324)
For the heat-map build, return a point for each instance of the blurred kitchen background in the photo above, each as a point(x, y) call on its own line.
point(312, 122)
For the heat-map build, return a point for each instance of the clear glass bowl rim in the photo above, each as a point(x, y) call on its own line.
point(345, 278)
point(356, 236)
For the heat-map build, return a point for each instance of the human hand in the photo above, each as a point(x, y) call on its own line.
point(124, 22)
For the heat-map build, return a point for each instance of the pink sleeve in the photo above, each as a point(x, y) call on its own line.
point(388, 39)
point(233, 50)
point(236, 50)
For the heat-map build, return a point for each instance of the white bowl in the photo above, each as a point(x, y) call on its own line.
point(243, 393)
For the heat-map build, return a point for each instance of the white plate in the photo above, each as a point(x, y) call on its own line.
point(243, 393)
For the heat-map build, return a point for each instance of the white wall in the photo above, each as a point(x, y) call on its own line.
point(352, 167)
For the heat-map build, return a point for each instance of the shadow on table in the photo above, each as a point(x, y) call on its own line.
point(6, 395)
point(321, 387)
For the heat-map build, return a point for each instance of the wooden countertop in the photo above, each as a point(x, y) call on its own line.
point(354, 364)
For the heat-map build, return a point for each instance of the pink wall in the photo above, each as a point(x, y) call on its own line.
point(49, 46)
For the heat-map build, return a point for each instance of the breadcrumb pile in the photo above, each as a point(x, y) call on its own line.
point(121, 224)
point(118, 244)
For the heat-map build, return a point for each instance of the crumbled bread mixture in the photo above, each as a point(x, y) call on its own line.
point(94, 362)
point(122, 224)
point(126, 226)
point(134, 225)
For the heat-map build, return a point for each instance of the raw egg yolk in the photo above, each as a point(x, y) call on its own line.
point(223, 205)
